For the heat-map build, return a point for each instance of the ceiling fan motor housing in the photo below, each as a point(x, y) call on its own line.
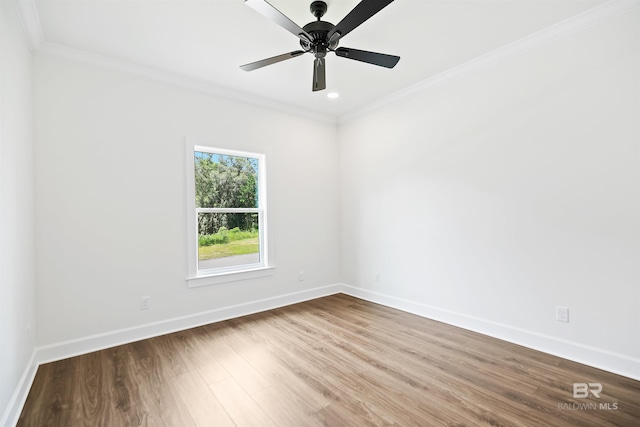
point(318, 30)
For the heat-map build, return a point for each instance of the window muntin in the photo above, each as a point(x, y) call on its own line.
point(228, 217)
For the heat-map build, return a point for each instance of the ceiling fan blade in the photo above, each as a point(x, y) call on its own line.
point(263, 63)
point(319, 75)
point(363, 11)
point(381, 59)
point(265, 9)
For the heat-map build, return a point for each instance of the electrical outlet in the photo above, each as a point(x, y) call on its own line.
point(301, 276)
point(376, 277)
point(562, 314)
point(145, 303)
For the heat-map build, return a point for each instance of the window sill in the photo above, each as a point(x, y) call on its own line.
point(229, 276)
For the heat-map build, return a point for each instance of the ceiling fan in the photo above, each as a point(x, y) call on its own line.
point(320, 37)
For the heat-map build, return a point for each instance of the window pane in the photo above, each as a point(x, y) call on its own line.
point(227, 239)
point(224, 181)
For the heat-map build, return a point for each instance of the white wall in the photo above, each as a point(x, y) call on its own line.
point(111, 197)
point(493, 198)
point(17, 278)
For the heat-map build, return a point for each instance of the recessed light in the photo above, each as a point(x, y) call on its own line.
point(333, 95)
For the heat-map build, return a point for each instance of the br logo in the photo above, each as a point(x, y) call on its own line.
point(582, 390)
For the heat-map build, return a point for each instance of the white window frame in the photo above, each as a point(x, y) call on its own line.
point(196, 277)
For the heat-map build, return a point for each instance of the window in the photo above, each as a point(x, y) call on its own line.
point(227, 219)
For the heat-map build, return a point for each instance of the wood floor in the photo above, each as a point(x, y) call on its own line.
point(334, 361)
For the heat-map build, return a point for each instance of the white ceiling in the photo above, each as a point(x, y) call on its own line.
point(208, 40)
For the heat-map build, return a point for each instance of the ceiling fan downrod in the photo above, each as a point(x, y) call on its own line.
point(318, 30)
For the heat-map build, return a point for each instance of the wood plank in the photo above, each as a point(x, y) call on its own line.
point(334, 361)
point(205, 409)
point(242, 409)
point(284, 408)
point(290, 387)
point(157, 388)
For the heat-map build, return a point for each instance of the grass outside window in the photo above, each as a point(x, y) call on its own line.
point(238, 247)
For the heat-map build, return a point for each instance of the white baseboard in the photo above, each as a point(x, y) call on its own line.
point(12, 412)
point(97, 342)
point(591, 356)
point(598, 358)
point(64, 350)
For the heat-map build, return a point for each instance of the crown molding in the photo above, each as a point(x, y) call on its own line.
point(28, 13)
point(582, 21)
point(31, 22)
point(183, 82)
